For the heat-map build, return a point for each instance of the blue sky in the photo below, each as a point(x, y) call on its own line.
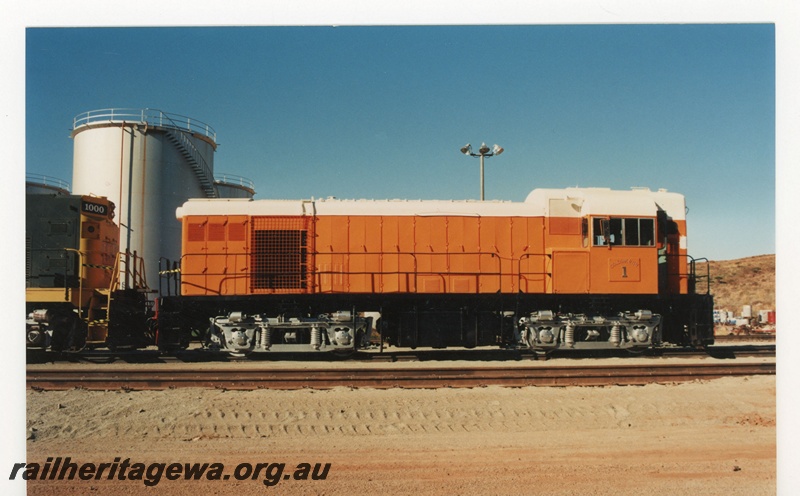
point(381, 111)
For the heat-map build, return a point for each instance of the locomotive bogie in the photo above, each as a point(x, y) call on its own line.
point(37, 335)
point(544, 330)
point(239, 333)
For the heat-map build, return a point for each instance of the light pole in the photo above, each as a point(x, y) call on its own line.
point(483, 151)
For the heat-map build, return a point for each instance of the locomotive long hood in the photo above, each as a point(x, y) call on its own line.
point(569, 202)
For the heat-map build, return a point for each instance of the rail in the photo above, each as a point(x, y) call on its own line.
point(255, 377)
point(119, 357)
point(151, 117)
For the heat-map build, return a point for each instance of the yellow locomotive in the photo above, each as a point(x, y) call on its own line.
point(76, 281)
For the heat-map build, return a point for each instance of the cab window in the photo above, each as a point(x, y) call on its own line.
point(623, 231)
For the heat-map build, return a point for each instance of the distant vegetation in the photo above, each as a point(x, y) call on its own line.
point(745, 281)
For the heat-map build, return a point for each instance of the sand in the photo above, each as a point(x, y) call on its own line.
point(699, 438)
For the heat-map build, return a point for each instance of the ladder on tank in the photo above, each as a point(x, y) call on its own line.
point(195, 159)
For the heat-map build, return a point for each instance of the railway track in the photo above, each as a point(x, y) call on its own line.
point(725, 338)
point(493, 354)
point(250, 378)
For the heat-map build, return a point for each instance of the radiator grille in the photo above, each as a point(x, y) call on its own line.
point(279, 254)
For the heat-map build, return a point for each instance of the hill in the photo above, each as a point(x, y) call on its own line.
point(744, 281)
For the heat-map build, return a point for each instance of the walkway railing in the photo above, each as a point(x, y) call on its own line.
point(235, 180)
point(40, 179)
point(152, 117)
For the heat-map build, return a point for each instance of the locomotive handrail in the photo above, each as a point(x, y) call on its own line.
point(80, 278)
point(519, 268)
point(172, 274)
point(133, 271)
point(477, 275)
point(312, 277)
point(693, 277)
point(691, 273)
point(231, 277)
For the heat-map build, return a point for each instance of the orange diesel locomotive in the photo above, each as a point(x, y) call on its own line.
point(579, 268)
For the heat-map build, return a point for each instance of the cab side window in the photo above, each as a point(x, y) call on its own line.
point(619, 231)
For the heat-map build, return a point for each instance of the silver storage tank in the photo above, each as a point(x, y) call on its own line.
point(233, 186)
point(38, 184)
point(148, 162)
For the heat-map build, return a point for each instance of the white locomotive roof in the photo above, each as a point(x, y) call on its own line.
point(569, 202)
point(332, 206)
point(579, 202)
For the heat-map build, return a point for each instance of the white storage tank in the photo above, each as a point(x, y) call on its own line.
point(148, 162)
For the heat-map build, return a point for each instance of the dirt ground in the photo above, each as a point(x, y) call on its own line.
point(701, 438)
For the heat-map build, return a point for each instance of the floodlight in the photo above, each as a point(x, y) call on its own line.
point(483, 152)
